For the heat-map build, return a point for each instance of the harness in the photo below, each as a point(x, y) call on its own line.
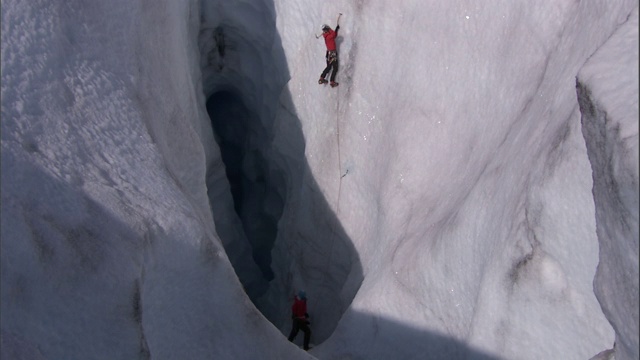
point(332, 56)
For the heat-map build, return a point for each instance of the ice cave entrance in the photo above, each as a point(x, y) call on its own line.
point(236, 130)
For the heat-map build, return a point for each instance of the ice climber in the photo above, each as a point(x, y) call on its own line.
point(331, 56)
point(300, 319)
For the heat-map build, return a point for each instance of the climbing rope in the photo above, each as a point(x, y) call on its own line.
point(339, 156)
point(334, 235)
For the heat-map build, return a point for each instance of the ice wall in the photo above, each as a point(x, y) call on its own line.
point(608, 96)
point(109, 248)
point(243, 73)
point(453, 157)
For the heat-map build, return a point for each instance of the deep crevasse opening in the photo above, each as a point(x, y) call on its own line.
point(266, 184)
point(240, 127)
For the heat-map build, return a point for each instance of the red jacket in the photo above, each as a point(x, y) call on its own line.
point(299, 308)
point(330, 38)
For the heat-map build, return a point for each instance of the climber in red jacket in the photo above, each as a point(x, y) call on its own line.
point(300, 318)
point(331, 55)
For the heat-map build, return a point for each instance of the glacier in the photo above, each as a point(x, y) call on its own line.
point(172, 174)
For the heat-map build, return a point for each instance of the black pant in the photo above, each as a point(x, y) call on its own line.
point(332, 64)
point(300, 324)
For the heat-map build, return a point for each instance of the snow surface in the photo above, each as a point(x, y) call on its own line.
point(451, 199)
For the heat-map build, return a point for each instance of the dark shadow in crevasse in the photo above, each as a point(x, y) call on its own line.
point(229, 119)
point(245, 168)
